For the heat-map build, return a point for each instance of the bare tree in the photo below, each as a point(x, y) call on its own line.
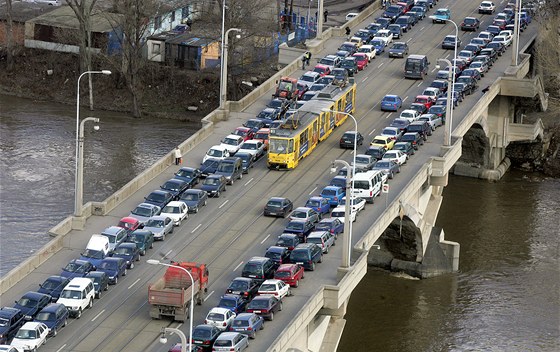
point(547, 51)
point(9, 37)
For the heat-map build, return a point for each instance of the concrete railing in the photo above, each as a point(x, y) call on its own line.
point(525, 132)
point(450, 154)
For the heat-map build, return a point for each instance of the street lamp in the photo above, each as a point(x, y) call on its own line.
point(515, 51)
point(79, 191)
point(449, 110)
point(349, 191)
point(183, 338)
point(223, 61)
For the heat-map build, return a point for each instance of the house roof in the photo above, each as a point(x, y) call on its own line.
point(64, 17)
point(24, 11)
point(190, 39)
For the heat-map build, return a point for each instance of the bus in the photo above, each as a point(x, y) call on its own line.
point(298, 135)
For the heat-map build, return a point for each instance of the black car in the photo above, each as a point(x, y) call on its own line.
point(350, 64)
point(473, 48)
point(129, 252)
point(265, 306)
point(348, 138)
point(421, 127)
point(204, 336)
point(12, 319)
point(491, 53)
point(214, 185)
point(259, 269)
point(77, 268)
point(176, 187)
point(100, 282)
point(288, 240)
point(460, 89)
point(278, 254)
point(302, 228)
point(470, 24)
point(53, 285)
point(498, 47)
point(307, 255)
point(31, 303)
point(406, 22)
point(471, 72)
point(282, 105)
point(421, 108)
point(190, 175)
point(414, 138)
point(405, 147)
point(243, 286)
point(376, 151)
point(438, 110)
point(54, 316)
point(470, 83)
point(278, 206)
point(208, 167)
point(399, 49)
point(396, 30)
point(195, 199)
point(392, 12)
point(159, 198)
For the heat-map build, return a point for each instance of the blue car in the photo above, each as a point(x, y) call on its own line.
point(333, 194)
point(332, 225)
point(53, 285)
point(93, 256)
point(268, 115)
point(319, 204)
point(235, 303)
point(393, 12)
point(302, 228)
point(176, 187)
point(379, 45)
point(189, 175)
point(77, 268)
point(114, 268)
point(391, 102)
point(129, 252)
point(54, 316)
point(247, 324)
point(208, 167)
point(159, 198)
point(31, 303)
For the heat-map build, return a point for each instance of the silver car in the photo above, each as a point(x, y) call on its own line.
point(144, 211)
point(231, 341)
point(160, 226)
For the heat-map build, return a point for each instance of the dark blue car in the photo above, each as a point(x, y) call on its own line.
point(189, 175)
point(77, 268)
point(114, 268)
point(393, 12)
point(332, 225)
point(268, 115)
point(54, 316)
point(319, 204)
point(159, 198)
point(53, 285)
point(93, 256)
point(235, 303)
point(129, 252)
point(31, 303)
point(302, 228)
point(208, 167)
point(176, 187)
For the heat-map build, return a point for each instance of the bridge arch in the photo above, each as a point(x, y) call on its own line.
point(476, 147)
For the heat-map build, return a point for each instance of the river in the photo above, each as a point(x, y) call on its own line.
point(505, 296)
point(37, 165)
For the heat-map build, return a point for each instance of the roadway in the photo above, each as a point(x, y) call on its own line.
point(231, 229)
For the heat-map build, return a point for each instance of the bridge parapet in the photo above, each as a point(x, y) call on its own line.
point(449, 156)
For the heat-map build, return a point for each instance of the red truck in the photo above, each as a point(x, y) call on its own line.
point(171, 295)
point(287, 88)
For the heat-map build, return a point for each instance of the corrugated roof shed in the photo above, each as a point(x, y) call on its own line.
point(64, 17)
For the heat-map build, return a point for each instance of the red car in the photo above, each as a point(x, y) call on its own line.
point(425, 100)
point(290, 274)
point(129, 223)
point(361, 60)
point(323, 70)
point(244, 132)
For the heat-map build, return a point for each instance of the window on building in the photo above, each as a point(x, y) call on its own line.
point(156, 48)
point(173, 16)
point(185, 12)
point(157, 22)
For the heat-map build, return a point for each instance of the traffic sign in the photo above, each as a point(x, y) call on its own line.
point(385, 188)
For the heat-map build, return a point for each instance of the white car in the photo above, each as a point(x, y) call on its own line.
point(487, 7)
point(220, 318)
point(502, 40)
point(30, 336)
point(506, 33)
point(217, 152)
point(277, 288)
point(396, 156)
point(309, 78)
point(369, 50)
point(358, 204)
point(350, 16)
point(432, 92)
point(385, 35)
point(177, 211)
point(232, 143)
point(339, 213)
point(253, 147)
point(410, 115)
point(487, 36)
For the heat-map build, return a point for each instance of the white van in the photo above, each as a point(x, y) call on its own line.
point(97, 249)
point(368, 184)
point(77, 296)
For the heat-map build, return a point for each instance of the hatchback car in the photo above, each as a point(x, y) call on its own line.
point(405, 147)
point(247, 324)
point(144, 211)
point(307, 255)
point(332, 225)
point(220, 318)
point(144, 240)
point(53, 285)
point(470, 24)
point(30, 336)
point(278, 206)
point(304, 213)
point(376, 151)
point(383, 141)
point(129, 252)
point(291, 274)
point(177, 211)
point(204, 335)
point(259, 269)
point(299, 227)
point(265, 306)
point(399, 49)
point(396, 156)
point(231, 341)
point(31, 303)
point(214, 185)
point(100, 282)
point(235, 303)
point(54, 316)
point(278, 254)
point(276, 288)
point(390, 168)
point(391, 102)
point(77, 268)
point(333, 194)
point(450, 41)
point(194, 199)
point(160, 226)
point(288, 240)
point(349, 137)
point(323, 239)
point(243, 286)
point(114, 268)
point(159, 198)
point(432, 119)
point(319, 204)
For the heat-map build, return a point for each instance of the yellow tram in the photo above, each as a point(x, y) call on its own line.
point(313, 122)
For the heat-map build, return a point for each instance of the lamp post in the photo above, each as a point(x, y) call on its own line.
point(183, 345)
point(182, 336)
point(349, 192)
point(449, 110)
point(223, 76)
point(78, 193)
point(515, 51)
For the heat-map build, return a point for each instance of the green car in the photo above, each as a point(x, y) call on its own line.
point(144, 239)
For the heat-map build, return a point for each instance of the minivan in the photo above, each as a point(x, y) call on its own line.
point(367, 185)
point(422, 127)
point(416, 66)
point(54, 316)
point(259, 269)
point(323, 239)
point(97, 249)
point(77, 296)
point(231, 168)
point(307, 255)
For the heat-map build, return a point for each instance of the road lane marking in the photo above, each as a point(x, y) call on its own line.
point(389, 114)
point(237, 267)
point(381, 64)
point(61, 348)
point(447, 56)
point(409, 39)
point(134, 283)
point(224, 203)
point(179, 326)
point(210, 294)
point(481, 22)
point(371, 132)
point(168, 253)
point(405, 98)
point(197, 227)
point(97, 316)
point(363, 80)
point(419, 84)
point(251, 180)
point(313, 190)
point(422, 28)
point(266, 238)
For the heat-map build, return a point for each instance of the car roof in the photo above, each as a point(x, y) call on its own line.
point(96, 273)
point(52, 307)
point(218, 310)
point(317, 234)
point(286, 267)
point(276, 249)
point(31, 325)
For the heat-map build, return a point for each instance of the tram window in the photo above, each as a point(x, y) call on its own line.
point(291, 146)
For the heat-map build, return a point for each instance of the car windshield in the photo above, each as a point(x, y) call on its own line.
point(258, 303)
point(279, 146)
point(156, 197)
point(297, 226)
point(223, 343)
point(238, 285)
point(362, 160)
point(142, 211)
point(73, 267)
point(230, 141)
point(26, 302)
point(328, 192)
point(284, 242)
point(90, 253)
point(273, 255)
point(190, 196)
point(225, 168)
point(261, 135)
point(252, 123)
point(211, 181)
point(377, 42)
point(307, 78)
point(45, 316)
point(138, 238)
point(185, 173)
point(267, 287)
point(282, 274)
point(251, 268)
point(227, 303)
point(214, 152)
point(108, 265)
point(389, 132)
point(123, 250)
point(301, 254)
point(171, 186)
point(274, 204)
point(314, 203)
point(383, 164)
point(71, 294)
point(338, 214)
point(202, 334)
point(378, 141)
point(155, 223)
point(249, 146)
point(26, 334)
point(215, 317)
point(299, 214)
point(240, 323)
point(50, 284)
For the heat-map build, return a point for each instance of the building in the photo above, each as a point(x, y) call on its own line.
point(186, 50)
